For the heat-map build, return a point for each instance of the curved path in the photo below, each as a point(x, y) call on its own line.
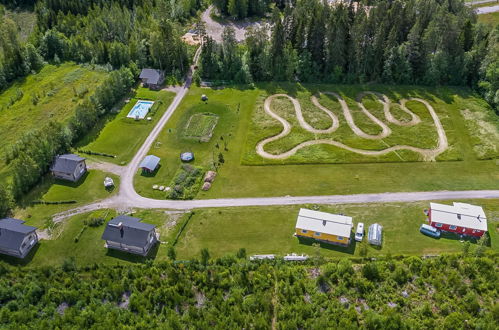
point(428, 154)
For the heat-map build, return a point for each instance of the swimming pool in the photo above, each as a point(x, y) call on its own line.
point(140, 109)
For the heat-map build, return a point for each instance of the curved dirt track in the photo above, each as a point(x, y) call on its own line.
point(428, 154)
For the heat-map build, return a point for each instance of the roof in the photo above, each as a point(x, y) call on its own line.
point(66, 163)
point(459, 214)
point(152, 76)
point(322, 222)
point(13, 232)
point(127, 230)
point(150, 162)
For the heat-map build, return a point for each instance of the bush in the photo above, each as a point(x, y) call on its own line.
point(94, 222)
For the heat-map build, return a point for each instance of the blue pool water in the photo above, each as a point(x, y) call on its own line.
point(140, 109)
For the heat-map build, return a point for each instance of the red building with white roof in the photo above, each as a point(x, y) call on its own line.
point(459, 218)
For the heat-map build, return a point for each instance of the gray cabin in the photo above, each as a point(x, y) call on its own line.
point(130, 235)
point(69, 167)
point(152, 78)
point(16, 238)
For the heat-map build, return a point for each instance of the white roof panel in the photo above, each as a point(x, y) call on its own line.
point(322, 222)
point(459, 214)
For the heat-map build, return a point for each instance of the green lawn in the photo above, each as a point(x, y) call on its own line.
point(89, 248)
point(53, 93)
point(90, 188)
point(492, 18)
point(234, 130)
point(122, 136)
point(269, 230)
point(257, 229)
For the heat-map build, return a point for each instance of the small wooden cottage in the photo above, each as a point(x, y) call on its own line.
point(459, 218)
point(16, 238)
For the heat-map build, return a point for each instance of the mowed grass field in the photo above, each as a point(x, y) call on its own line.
point(260, 230)
point(234, 131)
point(89, 248)
point(122, 136)
point(270, 230)
point(51, 94)
point(90, 188)
point(446, 102)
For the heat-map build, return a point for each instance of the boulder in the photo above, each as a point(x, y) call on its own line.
point(210, 176)
point(206, 186)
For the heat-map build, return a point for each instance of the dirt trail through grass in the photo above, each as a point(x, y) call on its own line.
point(427, 154)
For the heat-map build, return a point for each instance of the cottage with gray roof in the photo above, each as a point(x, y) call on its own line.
point(16, 238)
point(128, 234)
point(152, 78)
point(69, 167)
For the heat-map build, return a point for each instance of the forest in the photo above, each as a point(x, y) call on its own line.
point(446, 292)
point(420, 42)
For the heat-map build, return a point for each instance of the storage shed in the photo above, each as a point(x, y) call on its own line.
point(149, 164)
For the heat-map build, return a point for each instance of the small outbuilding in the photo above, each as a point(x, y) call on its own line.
point(375, 234)
point(108, 182)
point(16, 238)
point(128, 234)
point(69, 167)
point(149, 164)
point(325, 227)
point(152, 78)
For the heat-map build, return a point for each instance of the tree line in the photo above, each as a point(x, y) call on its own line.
point(31, 156)
point(422, 42)
point(446, 292)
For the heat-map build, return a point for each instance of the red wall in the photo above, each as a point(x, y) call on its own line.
point(458, 230)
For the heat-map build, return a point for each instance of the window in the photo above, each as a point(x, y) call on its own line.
point(340, 238)
point(317, 234)
point(438, 225)
point(452, 227)
point(474, 231)
point(304, 231)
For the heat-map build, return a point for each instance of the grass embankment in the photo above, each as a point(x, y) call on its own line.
point(492, 18)
point(234, 137)
point(122, 136)
point(264, 230)
point(51, 94)
point(90, 188)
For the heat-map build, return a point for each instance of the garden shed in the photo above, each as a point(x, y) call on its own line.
point(150, 163)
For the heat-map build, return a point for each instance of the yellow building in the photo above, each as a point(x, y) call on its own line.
point(322, 226)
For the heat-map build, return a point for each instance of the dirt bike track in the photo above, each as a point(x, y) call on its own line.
point(427, 154)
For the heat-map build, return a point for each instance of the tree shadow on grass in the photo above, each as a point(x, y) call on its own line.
point(350, 249)
point(13, 261)
point(135, 258)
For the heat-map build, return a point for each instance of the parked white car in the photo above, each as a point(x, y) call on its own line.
point(359, 233)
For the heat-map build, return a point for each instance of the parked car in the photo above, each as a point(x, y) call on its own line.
point(429, 231)
point(359, 233)
point(374, 235)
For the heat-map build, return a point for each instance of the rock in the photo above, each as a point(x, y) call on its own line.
point(155, 187)
point(206, 186)
point(405, 294)
point(161, 188)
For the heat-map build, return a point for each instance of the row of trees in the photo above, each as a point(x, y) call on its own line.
point(426, 42)
point(31, 156)
point(447, 292)
point(17, 59)
point(243, 8)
